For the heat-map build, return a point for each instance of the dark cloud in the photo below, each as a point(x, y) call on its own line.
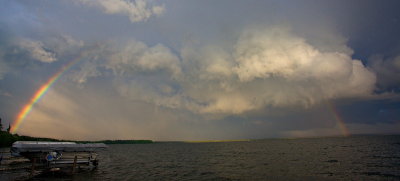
point(388, 72)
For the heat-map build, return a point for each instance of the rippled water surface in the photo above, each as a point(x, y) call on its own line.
point(347, 158)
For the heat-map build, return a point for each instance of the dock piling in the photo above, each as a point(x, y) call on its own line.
point(74, 165)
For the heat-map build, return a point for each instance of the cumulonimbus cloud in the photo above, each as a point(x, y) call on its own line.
point(136, 10)
point(273, 67)
point(265, 67)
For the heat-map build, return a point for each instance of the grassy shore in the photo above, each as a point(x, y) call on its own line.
point(216, 141)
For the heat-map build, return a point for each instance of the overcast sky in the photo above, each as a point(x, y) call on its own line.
point(201, 70)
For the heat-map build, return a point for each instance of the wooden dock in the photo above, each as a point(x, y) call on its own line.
point(50, 156)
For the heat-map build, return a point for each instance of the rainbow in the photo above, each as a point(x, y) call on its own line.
point(339, 119)
point(41, 92)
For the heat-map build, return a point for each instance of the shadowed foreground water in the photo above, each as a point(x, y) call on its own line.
point(347, 158)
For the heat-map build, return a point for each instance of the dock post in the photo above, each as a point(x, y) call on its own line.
point(33, 166)
point(74, 165)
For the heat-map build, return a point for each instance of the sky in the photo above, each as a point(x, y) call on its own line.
point(199, 70)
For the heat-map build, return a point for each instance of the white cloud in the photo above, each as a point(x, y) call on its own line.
point(137, 10)
point(137, 56)
point(63, 44)
point(36, 50)
point(276, 52)
point(87, 70)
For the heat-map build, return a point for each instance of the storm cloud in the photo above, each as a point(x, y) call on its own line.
point(266, 67)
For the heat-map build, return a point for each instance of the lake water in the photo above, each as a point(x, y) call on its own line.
point(341, 158)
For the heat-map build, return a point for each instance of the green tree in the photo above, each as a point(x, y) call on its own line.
point(9, 128)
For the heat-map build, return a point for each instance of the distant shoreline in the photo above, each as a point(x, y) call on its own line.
point(7, 139)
